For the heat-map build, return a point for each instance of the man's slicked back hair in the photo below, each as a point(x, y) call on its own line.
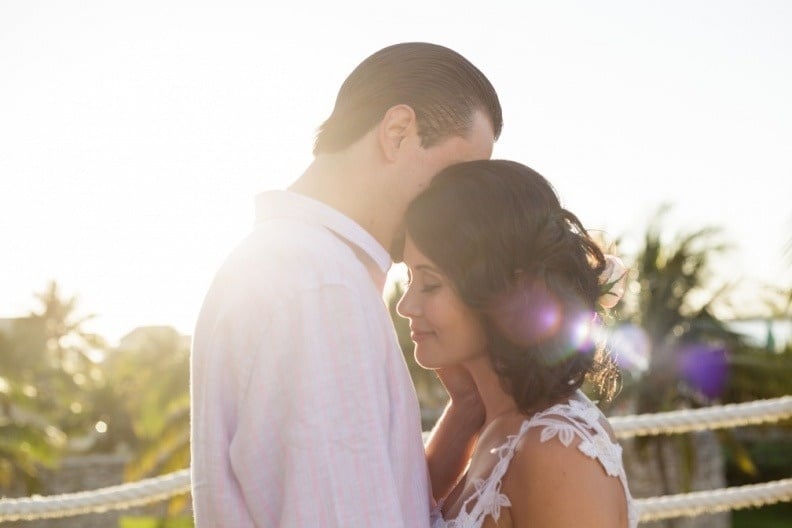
point(442, 87)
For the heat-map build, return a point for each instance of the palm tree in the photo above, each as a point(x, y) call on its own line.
point(48, 365)
point(671, 304)
point(759, 371)
point(28, 442)
point(47, 374)
point(69, 371)
point(674, 306)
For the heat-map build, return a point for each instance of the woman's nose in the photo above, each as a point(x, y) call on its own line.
point(406, 305)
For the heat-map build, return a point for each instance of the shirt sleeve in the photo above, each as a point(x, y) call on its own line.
point(311, 445)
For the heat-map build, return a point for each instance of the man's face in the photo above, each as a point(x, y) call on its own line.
point(424, 163)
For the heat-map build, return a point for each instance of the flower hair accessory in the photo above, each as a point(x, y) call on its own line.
point(612, 282)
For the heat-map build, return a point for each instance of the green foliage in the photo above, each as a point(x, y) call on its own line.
point(55, 372)
point(757, 373)
point(664, 276)
point(69, 371)
point(773, 458)
point(771, 516)
point(154, 522)
point(48, 373)
point(25, 447)
point(671, 301)
point(150, 373)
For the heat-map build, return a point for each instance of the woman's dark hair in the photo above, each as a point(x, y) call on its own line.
point(526, 265)
point(442, 87)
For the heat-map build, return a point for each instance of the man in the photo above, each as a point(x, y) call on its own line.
point(303, 410)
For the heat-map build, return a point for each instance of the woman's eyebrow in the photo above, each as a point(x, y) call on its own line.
point(426, 267)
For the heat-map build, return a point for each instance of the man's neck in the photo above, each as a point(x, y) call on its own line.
point(351, 190)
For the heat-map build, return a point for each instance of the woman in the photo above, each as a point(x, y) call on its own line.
point(506, 283)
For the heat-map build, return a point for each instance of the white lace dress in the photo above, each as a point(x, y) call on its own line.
point(578, 418)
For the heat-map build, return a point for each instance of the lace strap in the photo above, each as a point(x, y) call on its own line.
point(576, 418)
point(581, 419)
point(488, 496)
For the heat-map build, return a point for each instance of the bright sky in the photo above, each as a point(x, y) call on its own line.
point(134, 135)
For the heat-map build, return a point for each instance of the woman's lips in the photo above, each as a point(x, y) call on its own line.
point(419, 336)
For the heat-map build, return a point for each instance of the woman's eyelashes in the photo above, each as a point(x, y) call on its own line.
point(429, 287)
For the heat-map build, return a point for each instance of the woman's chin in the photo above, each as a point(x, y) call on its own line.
point(426, 362)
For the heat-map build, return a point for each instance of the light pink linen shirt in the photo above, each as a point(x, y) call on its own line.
point(303, 411)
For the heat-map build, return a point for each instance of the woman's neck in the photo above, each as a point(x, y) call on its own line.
point(497, 402)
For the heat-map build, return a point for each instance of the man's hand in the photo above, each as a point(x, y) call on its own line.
point(461, 388)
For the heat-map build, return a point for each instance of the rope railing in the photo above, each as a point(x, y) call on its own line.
point(714, 501)
point(101, 500)
point(707, 418)
point(654, 508)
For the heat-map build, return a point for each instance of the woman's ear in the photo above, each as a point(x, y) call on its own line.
point(398, 123)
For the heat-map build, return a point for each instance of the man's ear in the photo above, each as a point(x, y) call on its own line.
point(398, 123)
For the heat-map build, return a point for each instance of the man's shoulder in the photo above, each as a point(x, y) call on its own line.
point(286, 253)
point(274, 268)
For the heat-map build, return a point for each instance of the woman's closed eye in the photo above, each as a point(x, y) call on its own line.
point(422, 285)
point(429, 287)
point(423, 279)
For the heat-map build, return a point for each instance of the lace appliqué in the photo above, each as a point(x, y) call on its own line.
point(584, 422)
point(567, 421)
point(487, 496)
point(489, 503)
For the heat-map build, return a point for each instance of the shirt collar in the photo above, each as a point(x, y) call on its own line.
point(287, 204)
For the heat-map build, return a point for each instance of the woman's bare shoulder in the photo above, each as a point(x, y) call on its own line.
point(551, 483)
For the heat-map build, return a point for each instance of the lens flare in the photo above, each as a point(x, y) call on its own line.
point(704, 367)
point(585, 333)
point(630, 347)
point(528, 317)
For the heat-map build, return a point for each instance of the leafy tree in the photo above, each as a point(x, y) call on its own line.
point(150, 373)
point(694, 358)
point(69, 371)
point(49, 368)
point(672, 301)
point(27, 440)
